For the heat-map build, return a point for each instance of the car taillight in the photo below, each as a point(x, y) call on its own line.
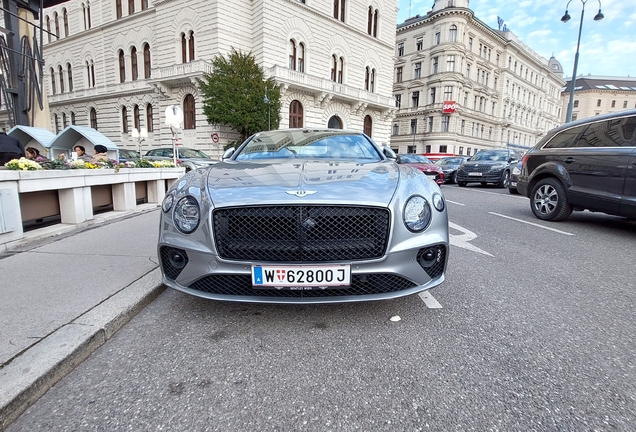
point(523, 160)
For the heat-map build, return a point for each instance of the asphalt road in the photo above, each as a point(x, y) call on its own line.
point(533, 330)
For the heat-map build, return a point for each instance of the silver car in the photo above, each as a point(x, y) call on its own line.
point(304, 216)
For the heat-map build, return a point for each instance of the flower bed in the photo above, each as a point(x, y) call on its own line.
point(24, 164)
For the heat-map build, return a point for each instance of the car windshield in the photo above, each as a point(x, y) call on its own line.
point(488, 155)
point(412, 158)
point(130, 154)
point(308, 144)
point(185, 153)
point(450, 161)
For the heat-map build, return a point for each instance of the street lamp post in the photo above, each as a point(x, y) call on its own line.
point(266, 100)
point(566, 17)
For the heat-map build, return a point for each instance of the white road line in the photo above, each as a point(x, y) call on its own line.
point(463, 240)
point(430, 301)
point(533, 224)
point(453, 202)
point(494, 193)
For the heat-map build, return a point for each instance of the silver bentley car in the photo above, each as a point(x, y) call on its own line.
point(304, 216)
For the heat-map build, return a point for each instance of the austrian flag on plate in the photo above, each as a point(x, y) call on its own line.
point(280, 274)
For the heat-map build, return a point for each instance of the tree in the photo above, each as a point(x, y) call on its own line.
point(234, 95)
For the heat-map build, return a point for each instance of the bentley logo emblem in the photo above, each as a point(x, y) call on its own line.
point(300, 193)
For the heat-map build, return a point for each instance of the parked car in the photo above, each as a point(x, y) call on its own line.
point(304, 216)
point(449, 166)
point(515, 170)
point(488, 166)
point(589, 164)
point(423, 164)
point(126, 155)
point(190, 158)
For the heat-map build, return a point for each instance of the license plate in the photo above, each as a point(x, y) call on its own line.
point(475, 174)
point(301, 277)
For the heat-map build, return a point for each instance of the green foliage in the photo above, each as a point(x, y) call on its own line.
point(234, 93)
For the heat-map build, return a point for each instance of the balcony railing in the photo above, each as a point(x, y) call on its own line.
point(180, 72)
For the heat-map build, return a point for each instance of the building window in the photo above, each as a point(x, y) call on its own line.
point(61, 73)
point(133, 63)
point(52, 81)
point(118, 10)
point(147, 64)
point(57, 25)
point(131, 7)
point(122, 67)
point(334, 122)
point(292, 54)
point(187, 47)
point(372, 22)
point(435, 64)
point(368, 125)
point(396, 129)
point(467, 151)
point(88, 18)
point(576, 104)
point(461, 150)
point(398, 100)
point(413, 126)
point(452, 35)
point(448, 93)
point(432, 93)
point(399, 74)
point(189, 121)
point(69, 72)
point(443, 149)
point(438, 38)
point(339, 9)
point(63, 120)
point(463, 131)
point(430, 128)
point(613, 104)
point(72, 118)
point(48, 28)
point(65, 19)
point(144, 4)
point(295, 114)
point(450, 63)
point(124, 120)
point(416, 98)
point(93, 118)
point(445, 121)
point(191, 46)
point(467, 70)
point(470, 44)
point(136, 117)
point(419, 43)
point(574, 116)
point(57, 127)
point(337, 65)
point(400, 49)
point(598, 103)
point(625, 104)
point(418, 69)
point(149, 119)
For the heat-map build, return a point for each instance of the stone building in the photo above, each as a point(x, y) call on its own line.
point(461, 86)
point(116, 65)
point(594, 95)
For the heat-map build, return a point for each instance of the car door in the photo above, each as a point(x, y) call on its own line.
point(597, 167)
point(628, 200)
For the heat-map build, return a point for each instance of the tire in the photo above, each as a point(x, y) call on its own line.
point(548, 201)
point(454, 178)
point(461, 184)
point(513, 191)
point(505, 180)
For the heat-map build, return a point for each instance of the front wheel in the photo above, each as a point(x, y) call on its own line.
point(505, 180)
point(454, 177)
point(548, 200)
point(461, 184)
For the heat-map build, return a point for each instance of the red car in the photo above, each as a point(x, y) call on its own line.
point(423, 164)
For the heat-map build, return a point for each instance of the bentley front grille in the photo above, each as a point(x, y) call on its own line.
point(301, 233)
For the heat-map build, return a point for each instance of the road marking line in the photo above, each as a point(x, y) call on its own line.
point(495, 193)
point(453, 202)
point(533, 224)
point(462, 241)
point(430, 301)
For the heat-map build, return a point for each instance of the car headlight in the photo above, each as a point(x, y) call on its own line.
point(186, 215)
point(516, 171)
point(498, 166)
point(417, 213)
point(166, 205)
point(438, 202)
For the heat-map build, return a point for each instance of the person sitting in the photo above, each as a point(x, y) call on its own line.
point(10, 148)
point(81, 153)
point(100, 154)
point(34, 154)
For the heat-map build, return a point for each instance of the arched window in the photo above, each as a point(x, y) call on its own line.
point(368, 125)
point(63, 120)
point(72, 118)
point(65, 18)
point(453, 33)
point(124, 120)
point(372, 84)
point(149, 118)
point(301, 57)
point(146, 61)
point(370, 20)
point(88, 16)
point(375, 23)
point(93, 117)
point(334, 67)
point(367, 77)
point(131, 7)
point(118, 10)
point(189, 121)
point(122, 67)
point(295, 114)
point(334, 123)
point(69, 72)
point(136, 118)
point(191, 46)
point(340, 72)
point(57, 127)
point(133, 63)
point(144, 4)
point(61, 73)
point(292, 54)
point(184, 48)
point(48, 27)
point(57, 25)
point(52, 81)
point(339, 9)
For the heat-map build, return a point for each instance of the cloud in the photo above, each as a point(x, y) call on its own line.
point(538, 33)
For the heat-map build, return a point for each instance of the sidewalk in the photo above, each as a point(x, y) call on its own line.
point(62, 297)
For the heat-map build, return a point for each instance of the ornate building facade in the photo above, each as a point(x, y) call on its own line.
point(594, 95)
point(116, 65)
point(461, 86)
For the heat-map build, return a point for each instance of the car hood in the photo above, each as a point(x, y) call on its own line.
point(483, 163)
point(424, 166)
point(233, 183)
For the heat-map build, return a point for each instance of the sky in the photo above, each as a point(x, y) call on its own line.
point(608, 46)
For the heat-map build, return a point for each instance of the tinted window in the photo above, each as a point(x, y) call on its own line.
point(567, 138)
point(491, 155)
point(411, 158)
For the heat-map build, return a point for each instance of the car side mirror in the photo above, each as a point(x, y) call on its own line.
point(228, 153)
point(388, 152)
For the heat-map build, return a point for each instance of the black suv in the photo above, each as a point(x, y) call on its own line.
point(488, 166)
point(587, 164)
